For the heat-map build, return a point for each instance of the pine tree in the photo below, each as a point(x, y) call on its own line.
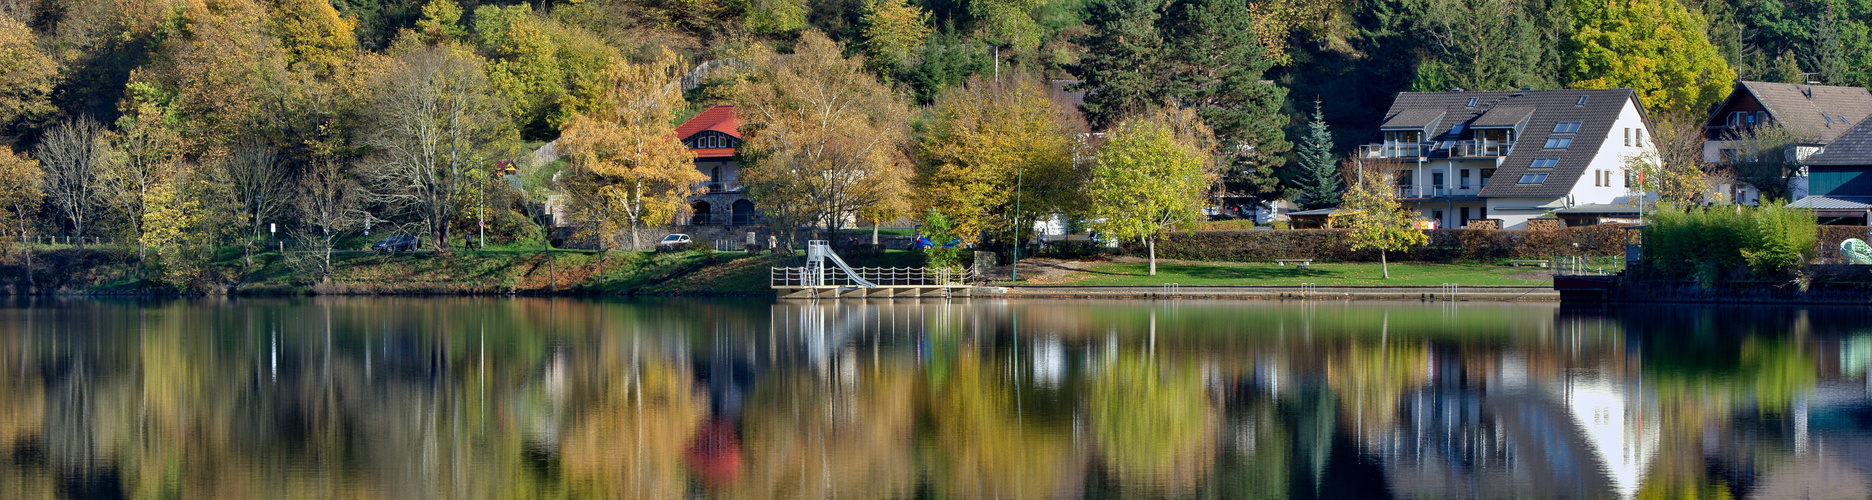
point(1121, 71)
point(1218, 68)
point(1319, 174)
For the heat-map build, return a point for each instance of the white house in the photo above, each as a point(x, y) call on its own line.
point(1511, 155)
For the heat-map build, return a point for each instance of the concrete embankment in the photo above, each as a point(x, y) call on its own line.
point(1505, 293)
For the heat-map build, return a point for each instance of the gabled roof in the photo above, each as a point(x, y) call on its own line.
point(1816, 113)
point(1536, 112)
point(1412, 118)
point(1851, 148)
point(1503, 116)
point(718, 118)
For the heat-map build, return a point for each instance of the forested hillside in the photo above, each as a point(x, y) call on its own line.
point(177, 124)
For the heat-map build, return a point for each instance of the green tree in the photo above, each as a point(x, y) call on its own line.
point(1219, 69)
point(1484, 45)
point(1122, 71)
point(944, 62)
point(989, 142)
point(1010, 22)
point(1144, 182)
point(1378, 221)
point(892, 29)
point(1319, 173)
point(1655, 47)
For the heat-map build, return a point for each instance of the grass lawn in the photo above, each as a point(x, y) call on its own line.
point(1322, 274)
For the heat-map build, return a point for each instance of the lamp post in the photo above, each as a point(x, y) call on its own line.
point(1014, 269)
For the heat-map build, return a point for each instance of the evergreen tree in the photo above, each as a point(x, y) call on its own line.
point(1122, 69)
point(1219, 70)
point(1829, 56)
point(1319, 174)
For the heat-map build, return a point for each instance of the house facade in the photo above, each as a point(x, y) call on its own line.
point(1840, 178)
point(1816, 115)
point(1510, 156)
point(714, 136)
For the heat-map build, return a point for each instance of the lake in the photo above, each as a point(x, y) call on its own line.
point(556, 397)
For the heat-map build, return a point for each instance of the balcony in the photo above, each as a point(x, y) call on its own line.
point(1395, 150)
point(719, 187)
point(726, 219)
point(1480, 149)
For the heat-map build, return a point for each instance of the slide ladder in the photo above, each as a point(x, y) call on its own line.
point(820, 251)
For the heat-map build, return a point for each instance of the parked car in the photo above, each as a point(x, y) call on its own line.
point(395, 243)
point(674, 242)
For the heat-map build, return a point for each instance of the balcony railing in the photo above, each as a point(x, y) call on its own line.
point(1479, 149)
point(1395, 150)
point(717, 187)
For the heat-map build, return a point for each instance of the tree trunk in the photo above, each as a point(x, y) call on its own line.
point(1151, 243)
point(635, 244)
point(874, 233)
point(1384, 265)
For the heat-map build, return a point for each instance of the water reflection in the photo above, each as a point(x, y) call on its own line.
point(404, 398)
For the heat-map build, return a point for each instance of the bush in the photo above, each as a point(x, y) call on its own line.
point(1727, 243)
point(1443, 245)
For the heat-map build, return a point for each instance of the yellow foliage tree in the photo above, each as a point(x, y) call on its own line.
point(314, 35)
point(19, 192)
point(892, 28)
point(989, 141)
point(825, 138)
point(629, 166)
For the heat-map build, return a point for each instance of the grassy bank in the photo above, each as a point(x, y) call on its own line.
point(105, 270)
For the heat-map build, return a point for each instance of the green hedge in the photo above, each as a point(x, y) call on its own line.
point(1333, 245)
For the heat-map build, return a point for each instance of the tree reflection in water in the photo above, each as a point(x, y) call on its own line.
point(514, 398)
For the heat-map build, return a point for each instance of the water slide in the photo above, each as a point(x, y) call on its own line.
point(1856, 251)
point(819, 251)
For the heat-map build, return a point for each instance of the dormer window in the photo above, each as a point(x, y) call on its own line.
point(1566, 127)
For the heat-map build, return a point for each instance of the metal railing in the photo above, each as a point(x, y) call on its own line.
point(796, 277)
point(1479, 149)
point(1395, 150)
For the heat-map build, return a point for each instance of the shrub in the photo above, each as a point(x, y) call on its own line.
point(1443, 245)
point(1730, 243)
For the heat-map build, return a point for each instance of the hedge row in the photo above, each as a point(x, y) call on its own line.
point(1335, 245)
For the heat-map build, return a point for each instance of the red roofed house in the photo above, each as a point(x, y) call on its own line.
point(714, 135)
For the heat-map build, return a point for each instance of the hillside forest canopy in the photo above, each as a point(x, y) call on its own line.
point(163, 122)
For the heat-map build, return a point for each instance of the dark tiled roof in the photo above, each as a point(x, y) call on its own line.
point(1503, 116)
point(1596, 117)
point(1806, 109)
point(1851, 148)
point(1412, 118)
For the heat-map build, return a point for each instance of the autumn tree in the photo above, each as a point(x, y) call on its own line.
point(1318, 173)
point(1765, 160)
point(1144, 182)
point(328, 203)
point(148, 152)
point(19, 192)
point(20, 196)
point(1655, 47)
point(892, 29)
point(434, 118)
point(628, 164)
point(260, 185)
point(313, 34)
point(824, 138)
point(26, 85)
point(1378, 222)
point(73, 154)
point(986, 144)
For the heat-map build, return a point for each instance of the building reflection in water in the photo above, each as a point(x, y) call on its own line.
point(750, 399)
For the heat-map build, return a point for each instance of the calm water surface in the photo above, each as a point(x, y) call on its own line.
point(501, 398)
